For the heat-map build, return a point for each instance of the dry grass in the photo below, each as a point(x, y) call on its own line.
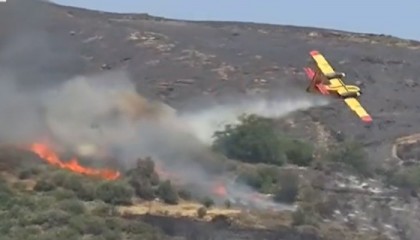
point(183, 209)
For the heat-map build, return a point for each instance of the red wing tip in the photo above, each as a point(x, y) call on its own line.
point(314, 52)
point(367, 119)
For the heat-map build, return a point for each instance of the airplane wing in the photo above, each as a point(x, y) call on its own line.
point(326, 68)
point(355, 105)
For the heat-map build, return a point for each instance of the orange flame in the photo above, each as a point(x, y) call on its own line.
point(219, 189)
point(47, 154)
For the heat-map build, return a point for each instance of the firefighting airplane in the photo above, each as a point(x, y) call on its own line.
point(325, 80)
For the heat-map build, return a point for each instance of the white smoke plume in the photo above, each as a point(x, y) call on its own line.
point(203, 123)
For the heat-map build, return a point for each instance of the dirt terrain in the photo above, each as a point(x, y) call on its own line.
point(193, 64)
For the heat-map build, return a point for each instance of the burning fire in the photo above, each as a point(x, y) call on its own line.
point(220, 190)
point(47, 154)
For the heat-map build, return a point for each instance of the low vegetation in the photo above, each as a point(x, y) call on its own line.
point(353, 155)
point(406, 178)
point(255, 140)
point(62, 212)
point(65, 205)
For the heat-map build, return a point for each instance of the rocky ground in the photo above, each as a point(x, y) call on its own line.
point(180, 61)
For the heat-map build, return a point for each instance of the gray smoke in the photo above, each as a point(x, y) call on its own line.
point(31, 61)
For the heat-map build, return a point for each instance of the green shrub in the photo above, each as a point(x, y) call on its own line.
point(207, 202)
point(84, 188)
point(408, 178)
point(72, 206)
point(298, 152)
point(7, 196)
point(201, 212)
point(115, 192)
point(44, 185)
point(142, 187)
point(352, 154)
point(253, 140)
point(263, 179)
point(88, 224)
point(51, 218)
point(228, 203)
point(167, 193)
point(62, 194)
point(185, 194)
point(143, 178)
point(289, 188)
point(28, 172)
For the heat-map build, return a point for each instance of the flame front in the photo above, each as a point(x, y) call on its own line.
point(47, 154)
point(220, 190)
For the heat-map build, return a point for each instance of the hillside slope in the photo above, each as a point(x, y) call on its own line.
point(190, 65)
point(181, 60)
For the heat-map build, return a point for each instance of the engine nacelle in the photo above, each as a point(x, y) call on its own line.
point(335, 75)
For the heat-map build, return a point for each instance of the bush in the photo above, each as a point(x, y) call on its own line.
point(88, 224)
point(143, 178)
point(289, 188)
point(253, 140)
point(270, 180)
point(44, 185)
point(104, 210)
point(352, 154)
point(298, 152)
point(228, 203)
point(115, 192)
point(142, 187)
point(207, 202)
point(28, 172)
point(50, 218)
point(63, 194)
point(167, 193)
point(263, 179)
point(72, 206)
point(201, 212)
point(185, 194)
point(83, 188)
point(408, 178)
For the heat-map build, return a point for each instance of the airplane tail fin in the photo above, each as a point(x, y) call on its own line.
point(309, 73)
point(315, 82)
